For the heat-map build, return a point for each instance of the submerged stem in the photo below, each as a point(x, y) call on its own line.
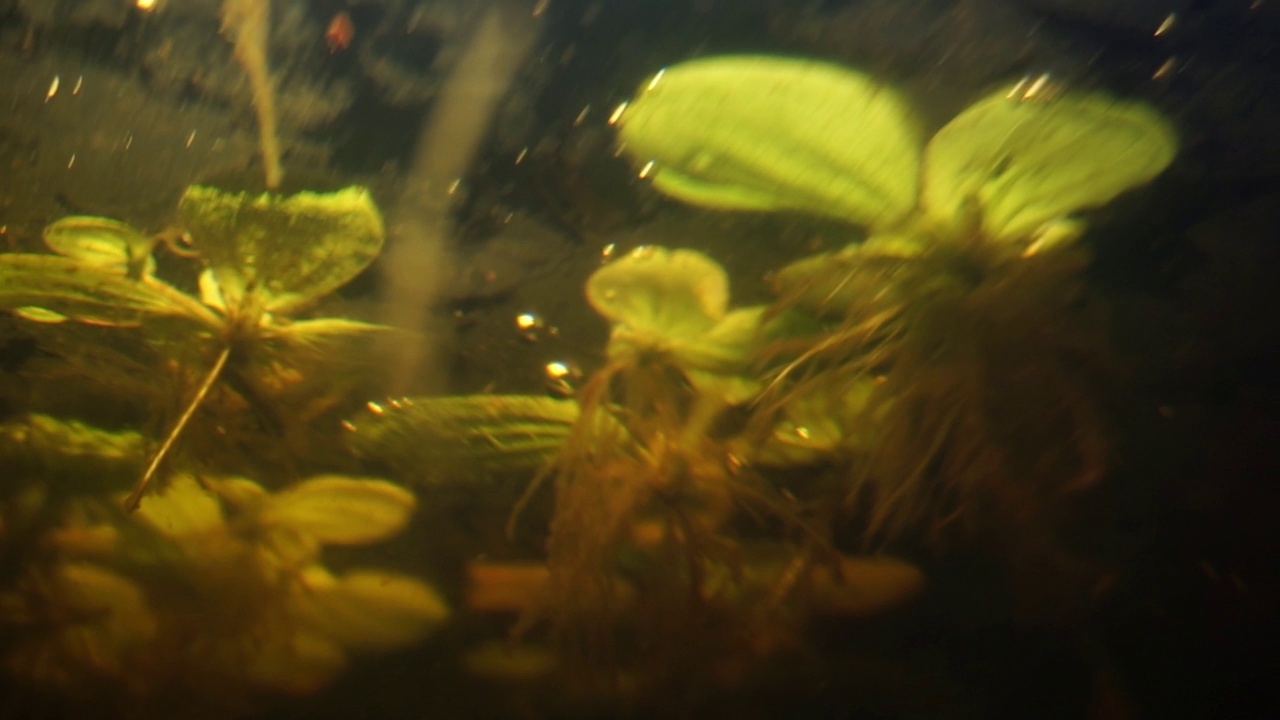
point(132, 502)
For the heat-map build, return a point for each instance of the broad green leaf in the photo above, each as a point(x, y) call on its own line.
point(90, 294)
point(340, 510)
point(1023, 164)
point(676, 292)
point(755, 132)
point(462, 439)
point(673, 302)
point(289, 250)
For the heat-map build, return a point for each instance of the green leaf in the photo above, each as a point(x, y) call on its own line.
point(674, 303)
point(462, 439)
point(183, 510)
point(667, 293)
point(102, 242)
point(287, 251)
point(339, 510)
point(1023, 164)
point(91, 294)
point(322, 334)
point(773, 133)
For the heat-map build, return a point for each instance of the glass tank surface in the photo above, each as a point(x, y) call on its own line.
point(607, 359)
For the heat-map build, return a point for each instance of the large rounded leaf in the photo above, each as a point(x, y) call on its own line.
point(1024, 164)
point(772, 133)
point(659, 300)
point(681, 292)
point(289, 250)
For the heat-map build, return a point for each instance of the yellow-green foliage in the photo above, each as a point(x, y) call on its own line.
point(282, 253)
point(955, 368)
point(461, 440)
point(215, 587)
point(772, 133)
point(769, 133)
point(1027, 163)
point(673, 306)
point(267, 258)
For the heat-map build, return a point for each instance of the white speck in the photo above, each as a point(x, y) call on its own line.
point(616, 115)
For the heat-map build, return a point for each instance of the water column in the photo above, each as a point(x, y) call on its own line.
point(420, 256)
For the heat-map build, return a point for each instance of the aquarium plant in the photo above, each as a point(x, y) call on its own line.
point(461, 440)
point(772, 133)
point(647, 476)
point(960, 295)
point(939, 372)
point(215, 588)
point(267, 258)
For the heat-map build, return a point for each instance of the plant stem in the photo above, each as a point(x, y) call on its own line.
point(135, 498)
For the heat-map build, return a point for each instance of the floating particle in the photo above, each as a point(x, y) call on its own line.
point(562, 378)
point(530, 326)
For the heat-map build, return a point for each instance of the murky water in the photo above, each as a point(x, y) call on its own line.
point(399, 359)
